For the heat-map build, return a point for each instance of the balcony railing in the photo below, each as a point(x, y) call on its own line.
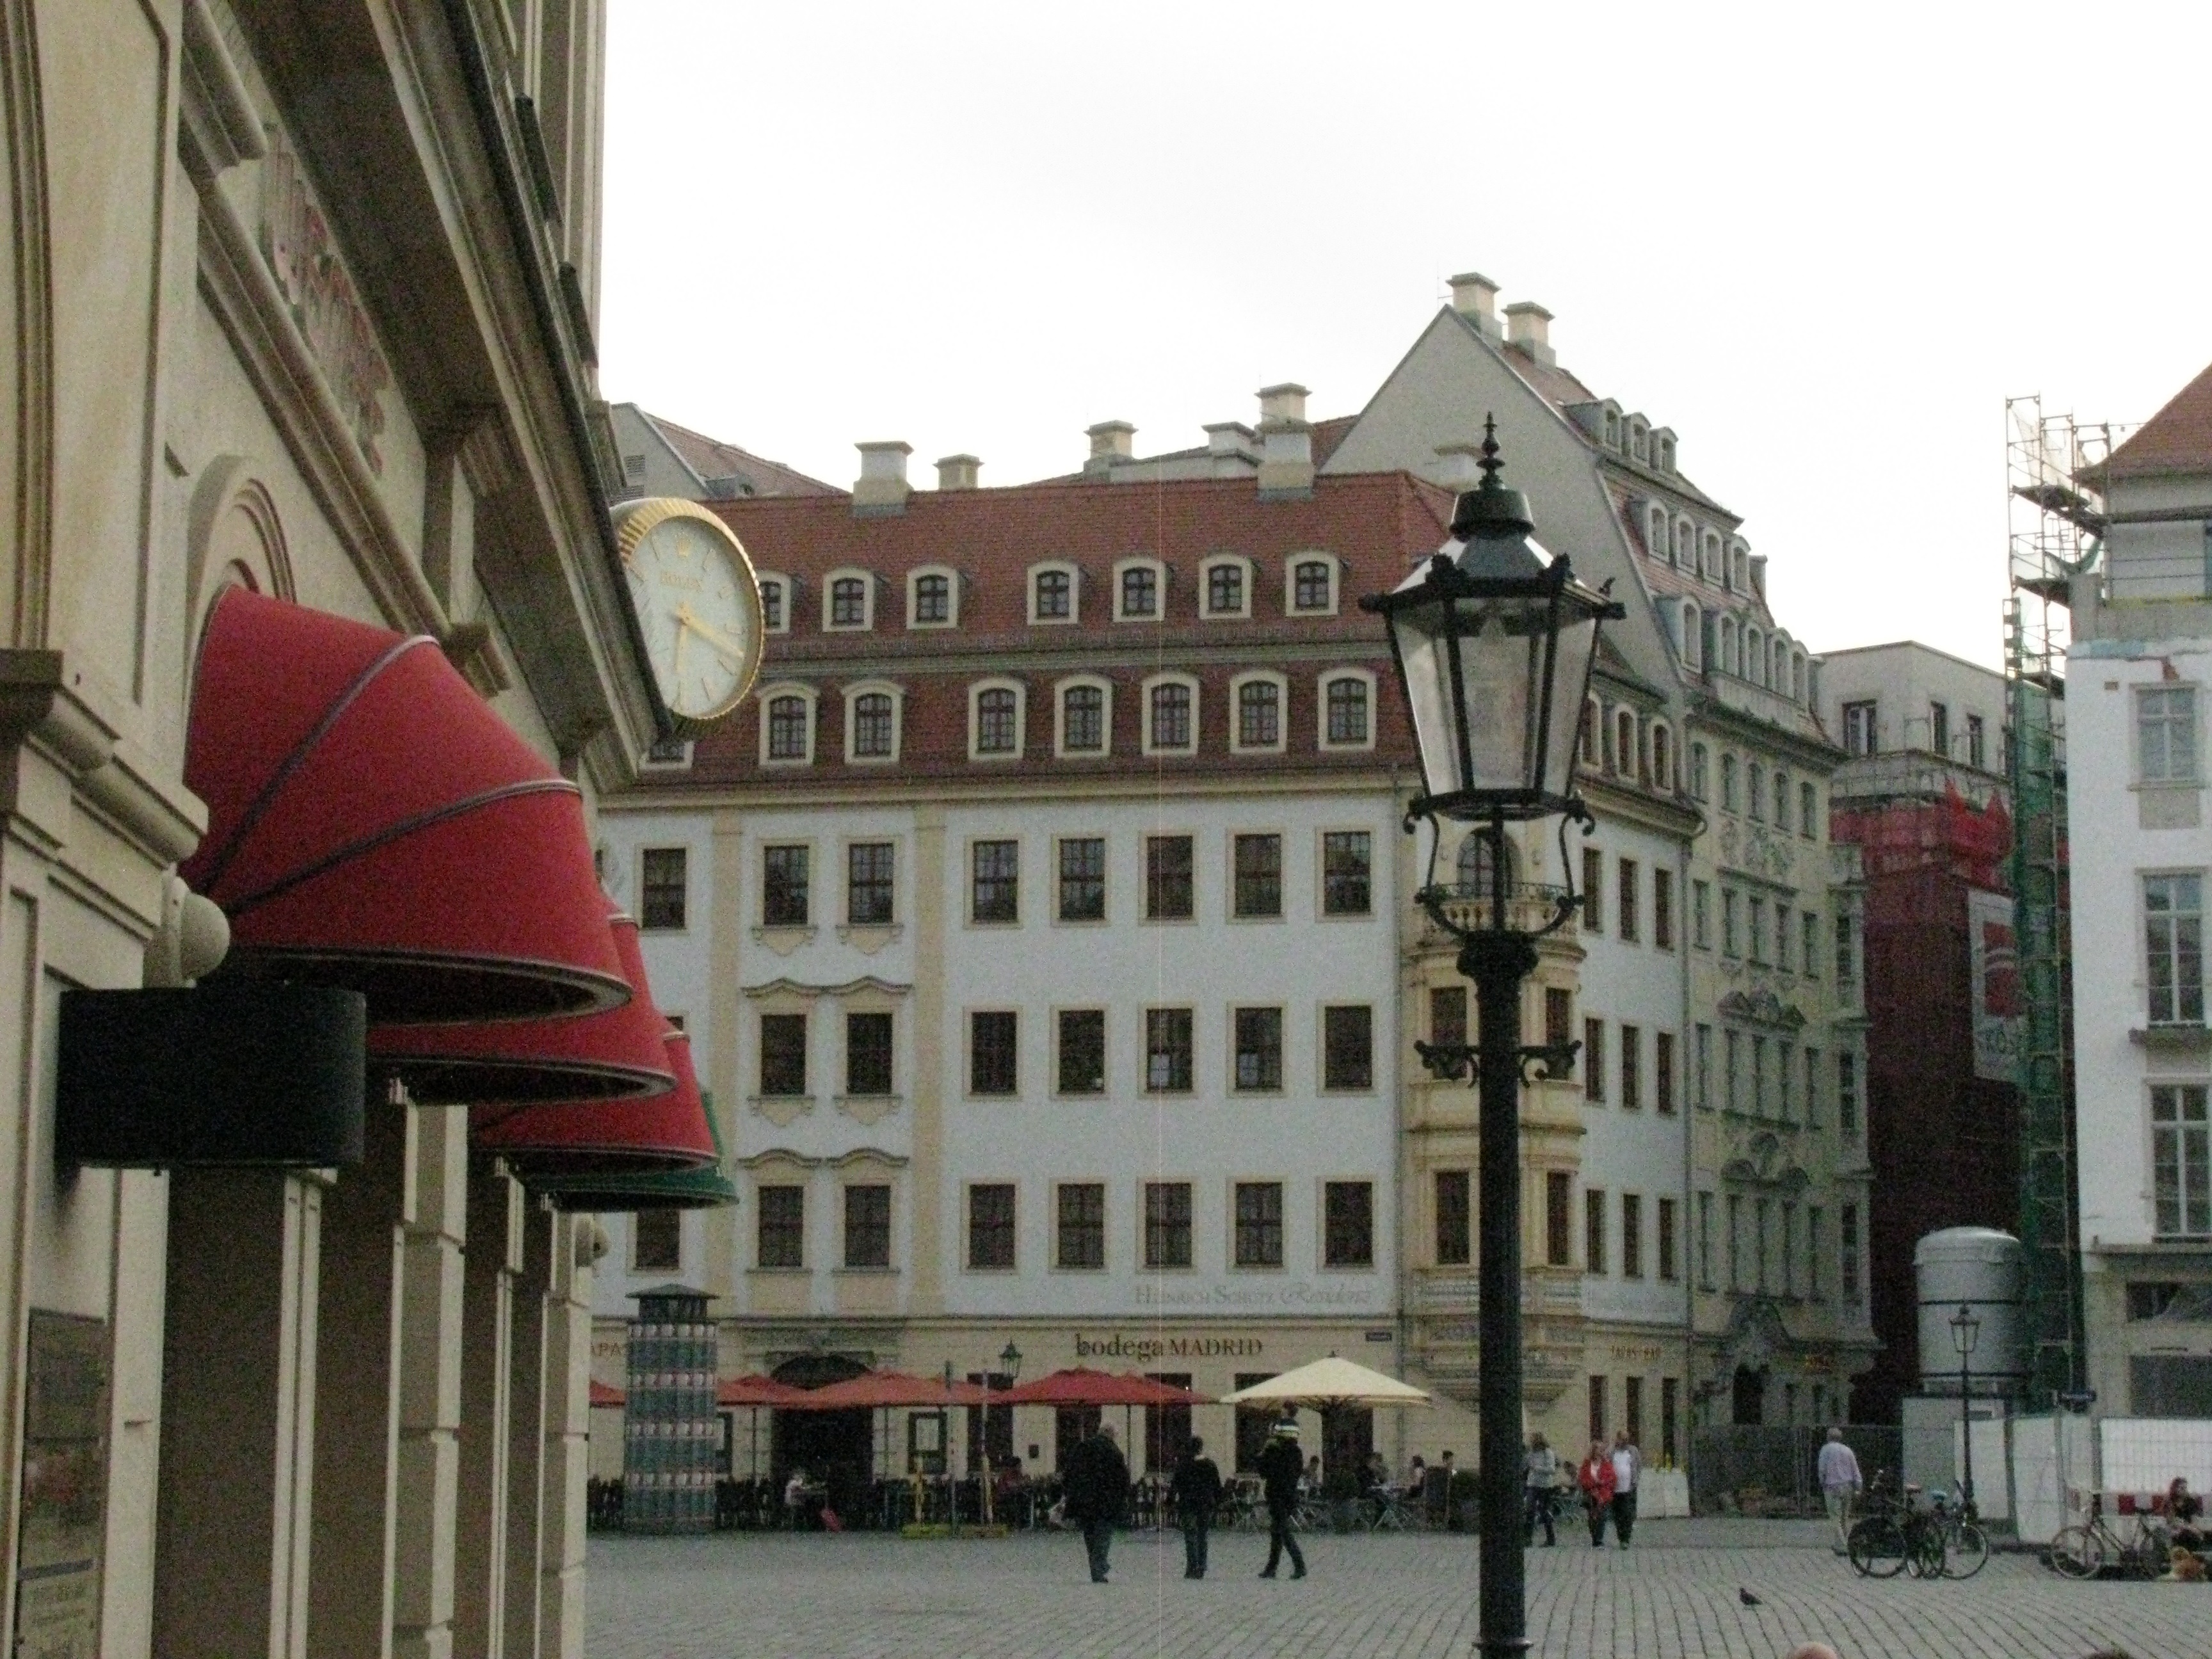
point(1529, 905)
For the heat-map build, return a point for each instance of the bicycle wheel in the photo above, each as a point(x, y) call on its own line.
point(1924, 1548)
point(1876, 1544)
point(2077, 1553)
point(1969, 1552)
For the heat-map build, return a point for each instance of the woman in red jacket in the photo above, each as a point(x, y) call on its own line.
point(1595, 1478)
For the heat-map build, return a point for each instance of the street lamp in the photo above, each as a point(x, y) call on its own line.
point(1965, 1332)
point(1493, 640)
point(1010, 1363)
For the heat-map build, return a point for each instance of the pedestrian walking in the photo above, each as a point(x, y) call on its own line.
point(1196, 1490)
point(1595, 1478)
point(1096, 1482)
point(1542, 1475)
point(1839, 1484)
point(1628, 1470)
point(1279, 1470)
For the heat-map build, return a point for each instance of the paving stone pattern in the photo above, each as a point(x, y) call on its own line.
point(1673, 1597)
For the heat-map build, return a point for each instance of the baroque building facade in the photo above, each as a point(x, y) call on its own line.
point(1775, 1184)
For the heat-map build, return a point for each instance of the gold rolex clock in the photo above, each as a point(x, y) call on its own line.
point(697, 603)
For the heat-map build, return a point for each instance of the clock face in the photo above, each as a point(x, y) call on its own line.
point(698, 604)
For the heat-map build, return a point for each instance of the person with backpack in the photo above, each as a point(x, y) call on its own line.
point(1279, 1473)
point(1196, 1490)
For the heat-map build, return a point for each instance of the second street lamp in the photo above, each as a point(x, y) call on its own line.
point(1494, 639)
point(1966, 1333)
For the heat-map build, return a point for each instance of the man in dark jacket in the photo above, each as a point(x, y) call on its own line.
point(1280, 1469)
point(1196, 1490)
point(1096, 1482)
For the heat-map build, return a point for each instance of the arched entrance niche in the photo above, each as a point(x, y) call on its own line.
point(834, 1448)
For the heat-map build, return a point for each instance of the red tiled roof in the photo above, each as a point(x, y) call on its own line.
point(1376, 524)
point(710, 457)
point(2177, 439)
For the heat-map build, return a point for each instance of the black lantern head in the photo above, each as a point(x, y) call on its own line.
point(1494, 638)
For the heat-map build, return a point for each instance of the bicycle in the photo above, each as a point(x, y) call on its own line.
point(2083, 1551)
point(1878, 1542)
point(1965, 1547)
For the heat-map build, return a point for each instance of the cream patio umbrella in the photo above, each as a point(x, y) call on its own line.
point(1330, 1382)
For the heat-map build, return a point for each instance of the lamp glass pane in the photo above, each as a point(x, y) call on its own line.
point(1501, 656)
point(1570, 685)
point(1428, 695)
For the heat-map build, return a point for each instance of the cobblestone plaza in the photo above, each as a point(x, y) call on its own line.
point(1674, 1593)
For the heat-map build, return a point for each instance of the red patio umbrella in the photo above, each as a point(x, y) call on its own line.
point(877, 1390)
point(756, 1391)
point(1080, 1386)
point(602, 1395)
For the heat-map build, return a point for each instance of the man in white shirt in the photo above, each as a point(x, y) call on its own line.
point(1839, 1484)
point(1627, 1464)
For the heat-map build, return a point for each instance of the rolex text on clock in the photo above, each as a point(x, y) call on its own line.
point(697, 603)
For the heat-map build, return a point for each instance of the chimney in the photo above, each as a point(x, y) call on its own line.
point(957, 471)
point(1458, 466)
point(1759, 574)
point(1111, 443)
point(1528, 328)
point(1230, 447)
point(1287, 402)
point(882, 488)
point(1474, 296)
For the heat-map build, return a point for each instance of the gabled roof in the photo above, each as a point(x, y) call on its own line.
point(710, 457)
point(2176, 440)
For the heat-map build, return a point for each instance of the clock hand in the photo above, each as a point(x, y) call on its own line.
point(713, 636)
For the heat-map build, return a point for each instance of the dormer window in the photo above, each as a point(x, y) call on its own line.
point(1639, 440)
point(1665, 457)
point(1728, 663)
point(933, 597)
point(1624, 742)
point(1592, 733)
point(1662, 758)
point(1739, 569)
point(1754, 656)
point(775, 603)
point(1693, 625)
point(1712, 557)
point(1611, 430)
point(1655, 531)
point(1052, 593)
point(848, 602)
point(1228, 588)
point(1313, 585)
point(1685, 542)
point(1137, 590)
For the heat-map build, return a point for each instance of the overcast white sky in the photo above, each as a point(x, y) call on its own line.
point(1823, 243)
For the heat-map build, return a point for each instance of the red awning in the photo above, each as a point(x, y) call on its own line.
point(756, 1391)
point(665, 1132)
point(876, 1390)
point(621, 1054)
point(1078, 1386)
point(603, 1395)
point(372, 824)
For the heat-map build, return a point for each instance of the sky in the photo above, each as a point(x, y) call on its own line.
point(1822, 243)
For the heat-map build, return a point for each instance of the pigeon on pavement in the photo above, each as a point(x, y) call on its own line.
point(1747, 1598)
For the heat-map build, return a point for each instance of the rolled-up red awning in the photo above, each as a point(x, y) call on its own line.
point(372, 824)
point(596, 1137)
point(620, 1054)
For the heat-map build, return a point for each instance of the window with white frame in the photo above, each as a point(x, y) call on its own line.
point(1625, 752)
point(1171, 715)
point(1083, 717)
point(1591, 738)
point(1311, 581)
point(1662, 758)
point(1739, 569)
point(775, 602)
point(1226, 583)
point(995, 721)
point(1727, 662)
point(2181, 1161)
point(848, 602)
point(933, 597)
point(1258, 716)
point(1639, 439)
point(872, 722)
point(1754, 656)
point(1347, 715)
point(2166, 733)
point(1053, 592)
point(1692, 640)
point(787, 725)
point(1710, 557)
point(1801, 683)
point(1139, 590)
point(1700, 776)
point(1685, 541)
point(1655, 532)
point(2173, 939)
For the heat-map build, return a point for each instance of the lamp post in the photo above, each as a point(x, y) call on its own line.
point(1494, 639)
point(1965, 1332)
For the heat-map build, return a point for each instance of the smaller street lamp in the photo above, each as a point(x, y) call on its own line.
point(1494, 639)
point(1010, 1363)
point(1965, 1332)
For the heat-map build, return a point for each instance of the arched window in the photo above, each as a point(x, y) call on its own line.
point(1346, 699)
point(1781, 799)
point(1624, 742)
point(1083, 718)
point(1754, 656)
point(1693, 625)
point(1259, 712)
point(776, 608)
point(1592, 734)
point(1685, 542)
point(1700, 783)
point(1171, 716)
point(1655, 531)
point(848, 602)
point(1757, 791)
point(1052, 593)
point(787, 725)
point(1313, 585)
point(1140, 592)
point(1730, 799)
point(1662, 758)
point(1728, 645)
point(1801, 679)
point(1227, 585)
point(995, 710)
point(875, 732)
point(1472, 870)
point(933, 597)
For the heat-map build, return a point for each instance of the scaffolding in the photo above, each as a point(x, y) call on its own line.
point(2056, 519)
